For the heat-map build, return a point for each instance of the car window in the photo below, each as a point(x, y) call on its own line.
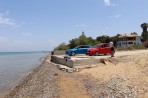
point(102, 46)
point(86, 46)
point(78, 47)
point(106, 45)
point(82, 47)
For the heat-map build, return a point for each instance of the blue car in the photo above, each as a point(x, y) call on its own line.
point(81, 49)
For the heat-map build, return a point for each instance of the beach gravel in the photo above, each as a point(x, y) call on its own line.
point(41, 83)
point(125, 76)
point(47, 81)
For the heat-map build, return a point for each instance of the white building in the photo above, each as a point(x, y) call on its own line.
point(127, 40)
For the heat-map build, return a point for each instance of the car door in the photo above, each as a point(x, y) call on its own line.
point(82, 50)
point(79, 50)
point(85, 49)
point(101, 49)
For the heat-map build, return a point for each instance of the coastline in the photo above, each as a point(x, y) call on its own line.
point(26, 79)
point(61, 84)
point(126, 79)
point(47, 81)
point(23, 76)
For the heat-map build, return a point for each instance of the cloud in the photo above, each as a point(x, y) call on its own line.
point(107, 2)
point(3, 40)
point(27, 34)
point(115, 16)
point(18, 25)
point(4, 20)
point(81, 25)
point(114, 5)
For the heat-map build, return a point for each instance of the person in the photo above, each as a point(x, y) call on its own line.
point(112, 49)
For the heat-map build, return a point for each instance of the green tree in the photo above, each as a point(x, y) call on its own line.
point(72, 43)
point(144, 34)
point(81, 40)
point(92, 41)
point(134, 33)
point(103, 39)
point(115, 39)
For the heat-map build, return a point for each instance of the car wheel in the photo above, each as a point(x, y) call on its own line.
point(96, 53)
point(73, 53)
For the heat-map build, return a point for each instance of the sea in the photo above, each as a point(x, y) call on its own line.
point(14, 66)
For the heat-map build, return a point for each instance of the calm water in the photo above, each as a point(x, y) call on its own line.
point(14, 64)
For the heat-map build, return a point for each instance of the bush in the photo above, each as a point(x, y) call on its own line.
point(134, 47)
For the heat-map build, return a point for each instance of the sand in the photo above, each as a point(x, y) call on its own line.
point(128, 78)
point(125, 76)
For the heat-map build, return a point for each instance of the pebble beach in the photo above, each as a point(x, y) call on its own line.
point(124, 77)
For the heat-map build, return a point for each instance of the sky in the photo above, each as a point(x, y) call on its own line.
point(41, 25)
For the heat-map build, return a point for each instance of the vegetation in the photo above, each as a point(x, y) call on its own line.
point(144, 34)
point(81, 40)
point(134, 33)
point(103, 39)
point(84, 40)
point(135, 47)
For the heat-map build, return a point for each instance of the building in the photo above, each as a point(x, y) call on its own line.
point(127, 40)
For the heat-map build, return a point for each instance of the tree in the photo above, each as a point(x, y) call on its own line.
point(134, 33)
point(91, 41)
point(84, 40)
point(115, 39)
point(144, 34)
point(73, 43)
point(103, 39)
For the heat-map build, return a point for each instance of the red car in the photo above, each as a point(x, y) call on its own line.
point(102, 48)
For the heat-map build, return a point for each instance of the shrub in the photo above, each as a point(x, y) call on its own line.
point(134, 47)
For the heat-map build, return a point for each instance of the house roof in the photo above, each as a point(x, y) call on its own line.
point(127, 35)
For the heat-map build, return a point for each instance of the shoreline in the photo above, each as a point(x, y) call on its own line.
point(47, 81)
point(23, 75)
point(128, 78)
point(26, 78)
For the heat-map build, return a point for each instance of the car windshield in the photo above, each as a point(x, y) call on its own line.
point(96, 46)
